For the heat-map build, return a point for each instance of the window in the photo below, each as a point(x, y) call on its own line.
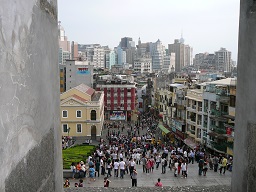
point(93, 115)
point(232, 101)
point(64, 114)
point(65, 128)
point(78, 114)
point(79, 128)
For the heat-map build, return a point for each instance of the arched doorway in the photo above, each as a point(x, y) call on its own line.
point(93, 132)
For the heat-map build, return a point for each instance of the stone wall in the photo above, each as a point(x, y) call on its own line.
point(244, 169)
point(30, 147)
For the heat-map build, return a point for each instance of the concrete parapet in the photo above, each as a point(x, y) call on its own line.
point(30, 139)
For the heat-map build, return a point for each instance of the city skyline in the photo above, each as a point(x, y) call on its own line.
point(206, 26)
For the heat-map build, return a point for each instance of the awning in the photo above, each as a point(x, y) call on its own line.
point(163, 129)
point(190, 143)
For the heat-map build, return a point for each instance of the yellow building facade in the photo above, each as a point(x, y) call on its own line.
point(82, 112)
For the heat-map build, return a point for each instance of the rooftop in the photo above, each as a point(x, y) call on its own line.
point(85, 89)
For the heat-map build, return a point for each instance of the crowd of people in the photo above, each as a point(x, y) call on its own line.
point(67, 142)
point(127, 146)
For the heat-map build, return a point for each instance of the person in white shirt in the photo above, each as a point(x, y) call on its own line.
point(114, 155)
point(121, 155)
point(137, 158)
point(176, 164)
point(122, 168)
point(132, 166)
point(158, 160)
point(185, 154)
point(102, 165)
point(116, 167)
point(184, 169)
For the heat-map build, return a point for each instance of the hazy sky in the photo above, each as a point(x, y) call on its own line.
point(207, 25)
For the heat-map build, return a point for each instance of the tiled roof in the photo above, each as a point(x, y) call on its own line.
point(79, 98)
point(85, 89)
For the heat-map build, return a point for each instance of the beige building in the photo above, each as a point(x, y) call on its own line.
point(82, 112)
point(194, 112)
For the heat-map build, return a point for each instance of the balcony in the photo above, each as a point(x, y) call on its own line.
point(219, 130)
point(222, 99)
point(218, 113)
point(191, 108)
point(221, 147)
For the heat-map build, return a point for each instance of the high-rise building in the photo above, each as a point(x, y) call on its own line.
point(188, 55)
point(110, 59)
point(169, 63)
point(63, 39)
point(183, 54)
point(143, 49)
point(121, 56)
point(158, 53)
point(223, 60)
point(125, 42)
point(179, 50)
point(143, 65)
point(63, 56)
point(74, 51)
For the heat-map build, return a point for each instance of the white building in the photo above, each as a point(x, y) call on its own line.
point(223, 60)
point(169, 63)
point(158, 53)
point(143, 65)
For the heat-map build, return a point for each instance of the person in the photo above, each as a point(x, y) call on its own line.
point(159, 183)
point(215, 163)
point(76, 184)
point(132, 165)
point(224, 165)
point(176, 164)
point(122, 168)
point(91, 173)
point(158, 160)
point(66, 183)
point(102, 165)
point(73, 169)
point(184, 169)
point(97, 168)
point(81, 183)
point(205, 168)
point(106, 182)
point(134, 178)
point(200, 166)
point(116, 167)
point(164, 164)
point(144, 162)
point(109, 167)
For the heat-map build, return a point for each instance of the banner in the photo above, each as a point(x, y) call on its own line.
point(117, 115)
point(83, 71)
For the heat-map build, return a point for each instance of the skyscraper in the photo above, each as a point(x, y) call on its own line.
point(223, 60)
point(179, 50)
point(158, 53)
point(183, 54)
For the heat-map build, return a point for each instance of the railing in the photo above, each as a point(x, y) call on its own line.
point(223, 99)
point(217, 129)
point(220, 147)
point(218, 113)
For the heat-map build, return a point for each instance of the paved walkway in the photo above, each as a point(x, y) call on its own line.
point(168, 179)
